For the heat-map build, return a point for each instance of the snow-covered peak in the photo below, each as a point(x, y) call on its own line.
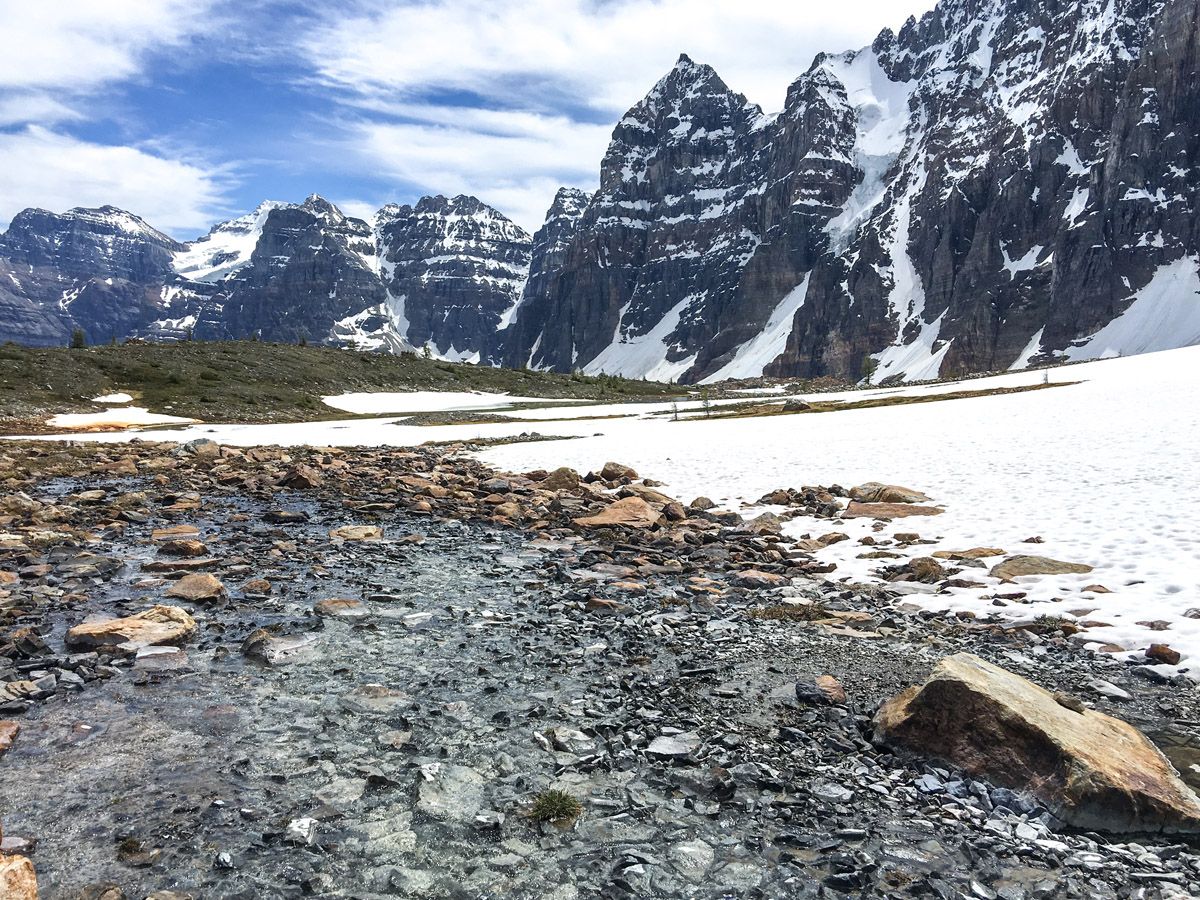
point(323, 209)
point(227, 247)
point(119, 220)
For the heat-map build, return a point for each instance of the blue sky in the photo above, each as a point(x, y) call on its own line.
point(190, 111)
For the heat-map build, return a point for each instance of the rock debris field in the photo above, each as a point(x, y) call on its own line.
point(260, 673)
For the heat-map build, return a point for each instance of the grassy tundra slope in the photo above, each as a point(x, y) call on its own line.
point(245, 381)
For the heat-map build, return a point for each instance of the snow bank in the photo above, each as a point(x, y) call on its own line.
point(113, 398)
point(126, 417)
point(426, 401)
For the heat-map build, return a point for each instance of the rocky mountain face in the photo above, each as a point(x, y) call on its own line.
point(444, 274)
point(454, 271)
point(92, 267)
point(997, 184)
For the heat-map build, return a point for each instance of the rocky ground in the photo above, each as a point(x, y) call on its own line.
point(366, 670)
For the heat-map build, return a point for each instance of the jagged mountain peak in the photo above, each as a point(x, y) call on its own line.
point(569, 202)
point(323, 209)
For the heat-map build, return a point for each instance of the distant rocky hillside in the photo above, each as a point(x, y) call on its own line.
point(996, 185)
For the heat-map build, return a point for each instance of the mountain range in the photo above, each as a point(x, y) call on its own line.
point(997, 184)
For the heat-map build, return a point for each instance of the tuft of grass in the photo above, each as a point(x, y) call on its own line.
point(785, 612)
point(555, 806)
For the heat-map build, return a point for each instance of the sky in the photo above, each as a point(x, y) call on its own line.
point(189, 112)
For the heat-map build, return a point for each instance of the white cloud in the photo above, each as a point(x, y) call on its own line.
point(537, 76)
point(602, 54)
point(44, 168)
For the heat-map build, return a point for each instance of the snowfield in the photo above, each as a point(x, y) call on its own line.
point(122, 417)
point(374, 403)
point(1101, 466)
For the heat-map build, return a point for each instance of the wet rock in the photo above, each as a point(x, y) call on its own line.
point(18, 880)
point(198, 588)
point(449, 792)
point(184, 547)
point(1091, 770)
point(301, 831)
point(157, 625)
point(1018, 566)
point(692, 859)
point(341, 608)
point(633, 512)
point(674, 746)
point(822, 690)
point(876, 492)
point(175, 532)
point(859, 510)
point(285, 517)
point(357, 533)
point(273, 649)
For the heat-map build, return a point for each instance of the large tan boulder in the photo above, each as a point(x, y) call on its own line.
point(18, 880)
point(157, 625)
point(1016, 566)
point(859, 510)
point(877, 492)
point(1091, 770)
point(633, 512)
point(357, 533)
point(198, 588)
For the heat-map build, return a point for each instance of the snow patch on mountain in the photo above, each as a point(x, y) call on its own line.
point(1164, 315)
point(226, 248)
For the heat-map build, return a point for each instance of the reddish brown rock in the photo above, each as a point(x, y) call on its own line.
point(359, 532)
point(1163, 654)
point(613, 471)
point(340, 608)
point(8, 733)
point(302, 477)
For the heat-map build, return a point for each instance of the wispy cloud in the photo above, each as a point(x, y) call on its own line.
point(512, 160)
point(79, 45)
